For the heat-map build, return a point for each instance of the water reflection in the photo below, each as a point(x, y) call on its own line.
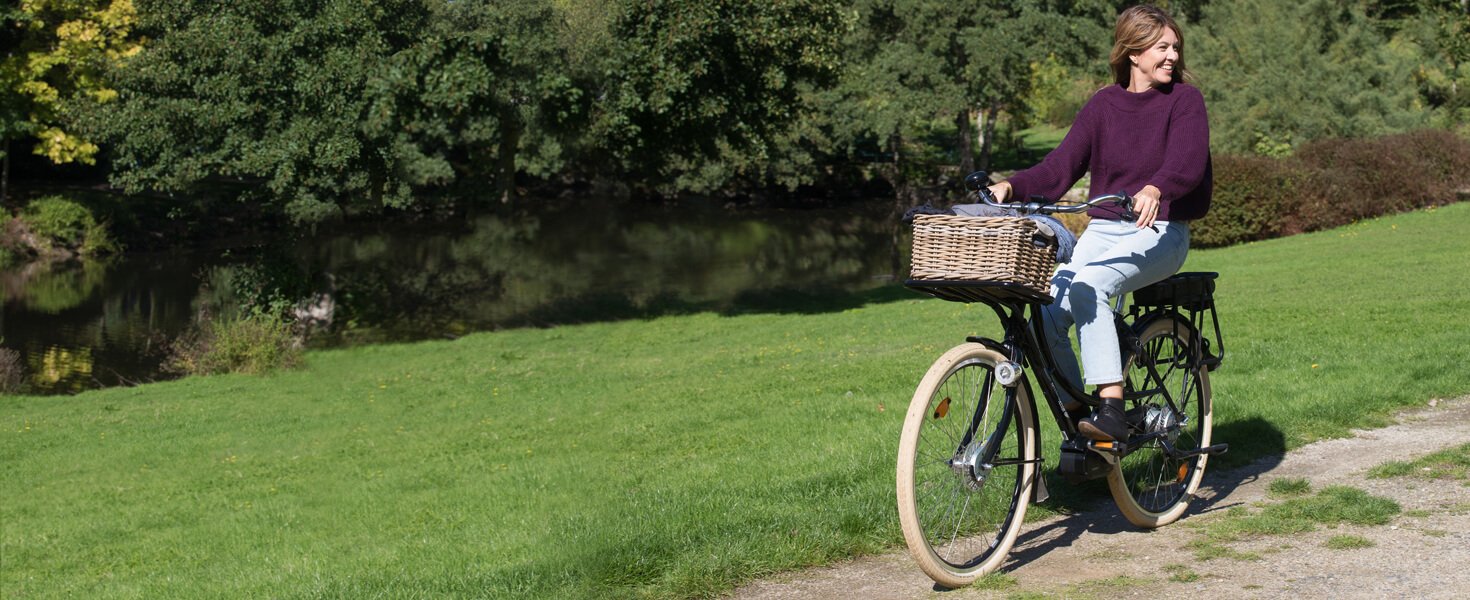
point(90, 325)
point(79, 326)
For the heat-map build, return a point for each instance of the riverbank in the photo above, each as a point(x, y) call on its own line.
point(676, 456)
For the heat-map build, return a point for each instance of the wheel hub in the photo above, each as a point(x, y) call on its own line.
point(967, 466)
point(1162, 419)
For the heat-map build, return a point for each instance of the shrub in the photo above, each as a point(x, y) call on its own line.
point(12, 373)
point(1329, 183)
point(1251, 193)
point(255, 343)
point(1358, 179)
point(66, 224)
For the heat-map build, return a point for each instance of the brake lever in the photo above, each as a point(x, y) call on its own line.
point(1128, 214)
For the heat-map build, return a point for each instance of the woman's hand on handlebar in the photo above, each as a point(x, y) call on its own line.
point(1146, 206)
point(1001, 191)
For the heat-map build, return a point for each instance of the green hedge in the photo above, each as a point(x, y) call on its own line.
point(1328, 183)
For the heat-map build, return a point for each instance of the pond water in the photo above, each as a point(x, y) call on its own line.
point(90, 325)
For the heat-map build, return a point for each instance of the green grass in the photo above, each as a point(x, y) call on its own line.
point(1450, 463)
point(1348, 542)
point(1179, 573)
point(1334, 505)
point(1290, 486)
point(669, 457)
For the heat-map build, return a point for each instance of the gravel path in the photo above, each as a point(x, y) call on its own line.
point(1423, 553)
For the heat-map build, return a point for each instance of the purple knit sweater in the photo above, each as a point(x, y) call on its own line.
point(1127, 141)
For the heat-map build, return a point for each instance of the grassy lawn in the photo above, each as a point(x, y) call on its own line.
point(669, 457)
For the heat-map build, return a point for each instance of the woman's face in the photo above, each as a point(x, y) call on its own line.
point(1154, 66)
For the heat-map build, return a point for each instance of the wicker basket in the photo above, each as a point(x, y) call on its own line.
point(990, 249)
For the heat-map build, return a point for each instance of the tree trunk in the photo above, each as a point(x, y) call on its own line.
point(988, 135)
point(505, 160)
point(966, 142)
point(5, 177)
point(901, 192)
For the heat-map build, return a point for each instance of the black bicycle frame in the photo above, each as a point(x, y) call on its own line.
point(1023, 345)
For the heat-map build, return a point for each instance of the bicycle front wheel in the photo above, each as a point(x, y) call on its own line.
point(1150, 485)
point(965, 463)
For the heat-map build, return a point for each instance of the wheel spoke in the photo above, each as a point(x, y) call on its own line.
point(965, 521)
point(1175, 408)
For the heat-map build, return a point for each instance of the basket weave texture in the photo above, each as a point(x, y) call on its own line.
point(994, 249)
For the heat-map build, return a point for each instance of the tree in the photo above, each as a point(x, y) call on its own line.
point(322, 106)
point(912, 64)
point(692, 84)
point(488, 85)
point(1276, 75)
point(56, 53)
point(268, 96)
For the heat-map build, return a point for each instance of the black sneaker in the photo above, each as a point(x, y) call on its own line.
point(1108, 423)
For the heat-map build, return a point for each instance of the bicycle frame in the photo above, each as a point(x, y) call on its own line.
point(1024, 344)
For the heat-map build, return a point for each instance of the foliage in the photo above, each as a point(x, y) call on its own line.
point(1330, 182)
point(14, 246)
point(321, 107)
point(272, 96)
point(483, 85)
point(916, 67)
point(252, 344)
point(57, 52)
point(334, 105)
point(692, 82)
point(1057, 92)
point(59, 222)
point(1252, 195)
point(1276, 75)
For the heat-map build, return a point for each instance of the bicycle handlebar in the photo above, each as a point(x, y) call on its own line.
point(979, 181)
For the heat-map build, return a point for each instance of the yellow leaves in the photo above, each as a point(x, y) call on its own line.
point(40, 92)
point(62, 53)
point(62, 147)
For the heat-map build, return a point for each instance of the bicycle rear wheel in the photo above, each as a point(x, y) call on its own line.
point(1151, 487)
point(960, 520)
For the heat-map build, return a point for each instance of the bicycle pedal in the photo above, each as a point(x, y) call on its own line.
point(1108, 448)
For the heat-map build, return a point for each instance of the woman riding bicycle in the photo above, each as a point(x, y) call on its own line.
point(1147, 136)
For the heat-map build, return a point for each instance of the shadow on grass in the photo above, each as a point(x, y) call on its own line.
point(1256, 446)
point(617, 307)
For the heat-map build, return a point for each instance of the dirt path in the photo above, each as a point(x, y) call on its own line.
point(1423, 553)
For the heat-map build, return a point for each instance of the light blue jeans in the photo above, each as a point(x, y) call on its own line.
point(1111, 258)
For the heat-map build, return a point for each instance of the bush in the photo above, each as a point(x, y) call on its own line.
point(253, 344)
point(1251, 193)
point(63, 223)
point(12, 372)
point(1328, 183)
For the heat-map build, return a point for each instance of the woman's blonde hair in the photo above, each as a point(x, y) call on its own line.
point(1137, 29)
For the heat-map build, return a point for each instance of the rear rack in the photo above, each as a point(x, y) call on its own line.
point(1193, 293)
